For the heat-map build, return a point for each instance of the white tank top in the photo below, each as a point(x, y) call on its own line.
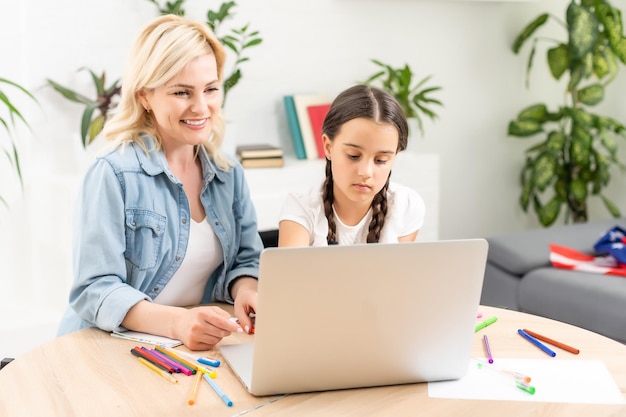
point(204, 254)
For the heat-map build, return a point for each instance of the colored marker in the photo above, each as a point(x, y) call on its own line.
point(553, 342)
point(485, 324)
point(202, 359)
point(517, 375)
point(194, 391)
point(155, 369)
point(159, 364)
point(218, 390)
point(177, 358)
point(525, 387)
point(487, 349)
point(536, 343)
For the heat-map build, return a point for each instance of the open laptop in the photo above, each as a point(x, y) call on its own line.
point(365, 315)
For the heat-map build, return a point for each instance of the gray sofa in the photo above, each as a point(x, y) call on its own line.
point(519, 276)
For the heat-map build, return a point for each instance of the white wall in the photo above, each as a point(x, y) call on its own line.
point(309, 46)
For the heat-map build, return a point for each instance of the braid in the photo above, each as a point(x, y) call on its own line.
point(379, 212)
point(328, 198)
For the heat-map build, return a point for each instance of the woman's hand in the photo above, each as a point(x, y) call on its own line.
point(244, 292)
point(201, 328)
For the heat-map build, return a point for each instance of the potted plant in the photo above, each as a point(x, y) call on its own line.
point(414, 98)
point(9, 115)
point(97, 110)
point(578, 147)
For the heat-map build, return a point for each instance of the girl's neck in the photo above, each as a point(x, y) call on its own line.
point(350, 212)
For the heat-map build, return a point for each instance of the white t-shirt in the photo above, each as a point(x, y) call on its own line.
point(405, 215)
point(204, 254)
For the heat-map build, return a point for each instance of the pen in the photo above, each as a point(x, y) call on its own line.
point(485, 324)
point(536, 343)
point(553, 342)
point(194, 391)
point(217, 390)
point(487, 349)
point(154, 368)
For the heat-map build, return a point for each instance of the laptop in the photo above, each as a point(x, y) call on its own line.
point(338, 317)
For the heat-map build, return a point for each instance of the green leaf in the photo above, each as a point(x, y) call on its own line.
point(558, 60)
point(544, 170)
point(580, 147)
point(591, 95)
point(86, 122)
point(69, 94)
point(583, 30)
point(612, 22)
point(556, 141)
point(528, 31)
point(536, 112)
point(524, 128)
point(95, 128)
point(578, 190)
point(611, 207)
point(548, 213)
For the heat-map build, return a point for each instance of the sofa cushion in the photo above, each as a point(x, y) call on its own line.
point(518, 253)
point(592, 301)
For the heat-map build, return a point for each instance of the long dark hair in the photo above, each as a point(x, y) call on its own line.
point(361, 101)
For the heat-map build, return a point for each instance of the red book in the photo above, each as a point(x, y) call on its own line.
point(317, 114)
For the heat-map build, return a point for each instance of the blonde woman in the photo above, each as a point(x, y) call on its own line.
point(165, 220)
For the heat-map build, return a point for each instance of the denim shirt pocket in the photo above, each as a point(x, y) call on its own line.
point(144, 236)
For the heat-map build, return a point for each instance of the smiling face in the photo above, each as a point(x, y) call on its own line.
point(183, 106)
point(362, 155)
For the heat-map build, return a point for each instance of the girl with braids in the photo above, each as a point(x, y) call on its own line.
point(364, 130)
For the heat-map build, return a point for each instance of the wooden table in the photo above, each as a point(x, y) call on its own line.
point(90, 373)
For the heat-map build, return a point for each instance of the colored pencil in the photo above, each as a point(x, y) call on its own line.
point(553, 342)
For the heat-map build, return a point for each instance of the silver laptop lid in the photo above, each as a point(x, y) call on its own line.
point(365, 315)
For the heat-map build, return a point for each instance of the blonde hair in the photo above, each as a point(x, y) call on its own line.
point(162, 49)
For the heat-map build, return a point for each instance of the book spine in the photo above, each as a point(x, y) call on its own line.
point(294, 127)
point(306, 130)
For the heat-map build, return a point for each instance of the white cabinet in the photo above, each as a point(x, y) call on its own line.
point(269, 186)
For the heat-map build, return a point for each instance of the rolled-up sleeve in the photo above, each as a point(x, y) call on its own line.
point(100, 293)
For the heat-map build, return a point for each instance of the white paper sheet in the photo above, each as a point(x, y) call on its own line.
point(147, 338)
point(561, 381)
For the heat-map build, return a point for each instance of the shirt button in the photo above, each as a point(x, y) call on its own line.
point(177, 258)
point(133, 224)
point(158, 229)
point(184, 221)
point(155, 289)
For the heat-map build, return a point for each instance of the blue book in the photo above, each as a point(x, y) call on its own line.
point(294, 127)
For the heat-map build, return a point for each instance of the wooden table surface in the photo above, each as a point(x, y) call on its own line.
point(90, 373)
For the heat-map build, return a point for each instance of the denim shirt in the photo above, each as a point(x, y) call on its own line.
point(132, 229)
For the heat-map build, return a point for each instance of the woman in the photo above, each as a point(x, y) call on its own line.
point(165, 221)
point(364, 130)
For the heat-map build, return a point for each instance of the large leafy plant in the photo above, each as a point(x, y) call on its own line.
point(414, 98)
point(97, 109)
point(578, 147)
point(10, 115)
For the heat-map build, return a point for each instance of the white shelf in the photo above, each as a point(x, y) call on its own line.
point(269, 186)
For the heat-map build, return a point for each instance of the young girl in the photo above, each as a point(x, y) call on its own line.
point(363, 132)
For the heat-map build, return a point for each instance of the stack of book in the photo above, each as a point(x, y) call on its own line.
point(305, 116)
point(260, 156)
